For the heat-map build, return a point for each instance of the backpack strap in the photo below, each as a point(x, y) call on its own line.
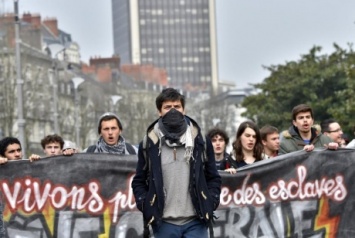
point(204, 161)
point(130, 149)
point(91, 149)
point(145, 146)
point(145, 153)
point(204, 156)
point(147, 167)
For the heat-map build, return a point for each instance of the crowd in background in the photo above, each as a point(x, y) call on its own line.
point(251, 145)
point(174, 151)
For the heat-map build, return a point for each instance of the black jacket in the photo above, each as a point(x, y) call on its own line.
point(205, 181)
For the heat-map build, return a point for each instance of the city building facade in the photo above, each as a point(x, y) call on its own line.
point(48, 91)
point(178, 36)
point(54, 103)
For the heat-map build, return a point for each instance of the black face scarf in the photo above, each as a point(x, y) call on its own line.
point(173, 125)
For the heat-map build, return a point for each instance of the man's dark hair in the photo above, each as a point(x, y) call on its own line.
point(220, 132)
point(267, 130)
point(52, 139)
point(301, 108)
point(169, 94)
point(324, 125)
point(5, 142)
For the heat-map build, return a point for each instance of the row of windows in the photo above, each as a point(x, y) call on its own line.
point(189, 44)
point(175, 21)
point(187, 60)
point(174, 38)
point(182, 51)
point(160, 27)
point(195, 58)
point(175, 52)
point(172, 62)
point(65, 88)
point(176, 11)
point(177, 47)
point(188, 78)
point(157, 4)
point(176, 30)
point(178, 76)
point(191, 70)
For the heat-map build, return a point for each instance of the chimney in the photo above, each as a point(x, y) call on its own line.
point(34, 20)
point(52, 25)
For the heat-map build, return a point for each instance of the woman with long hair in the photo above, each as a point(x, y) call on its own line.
point(247, 148)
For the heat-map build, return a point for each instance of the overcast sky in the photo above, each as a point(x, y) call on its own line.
point(251, 33)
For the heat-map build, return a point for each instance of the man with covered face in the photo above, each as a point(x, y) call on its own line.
point(176, 185)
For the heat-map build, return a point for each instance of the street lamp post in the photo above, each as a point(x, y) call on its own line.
point(215, 121)
point(115, 99)
point(20, 121)
point(53, 51)
point(77, 81)
point(53, 81)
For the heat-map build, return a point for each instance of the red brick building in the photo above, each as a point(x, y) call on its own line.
point(146, 73)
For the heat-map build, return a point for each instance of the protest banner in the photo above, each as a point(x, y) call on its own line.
point(89, 195)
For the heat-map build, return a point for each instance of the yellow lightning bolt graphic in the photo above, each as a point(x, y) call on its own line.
point(330, 224)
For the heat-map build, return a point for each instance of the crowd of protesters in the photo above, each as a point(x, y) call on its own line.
point(252, 144)
point(172, 155)
point(249, 145)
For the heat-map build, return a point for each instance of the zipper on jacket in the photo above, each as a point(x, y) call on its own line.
point(153, 199)
point(150, 221)
point(142, 203)
point(203, 195)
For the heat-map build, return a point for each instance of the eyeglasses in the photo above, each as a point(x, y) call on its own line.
point(336, 130)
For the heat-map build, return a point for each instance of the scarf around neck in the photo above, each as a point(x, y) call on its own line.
point(187, 139)
point(173, 125)
point(103, 147)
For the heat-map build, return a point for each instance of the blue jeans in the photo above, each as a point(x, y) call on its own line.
point(192, 229)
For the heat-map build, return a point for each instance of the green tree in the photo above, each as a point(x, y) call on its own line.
point(346, 112)
point(319, 80)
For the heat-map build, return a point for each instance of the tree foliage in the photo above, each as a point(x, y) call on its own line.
point(325, 82)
